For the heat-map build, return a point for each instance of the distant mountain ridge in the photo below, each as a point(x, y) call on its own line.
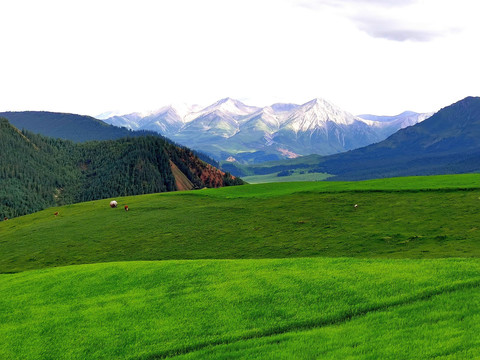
point(231, 129)
point(66, 126)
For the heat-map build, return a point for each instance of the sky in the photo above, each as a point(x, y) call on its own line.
point(367, 56)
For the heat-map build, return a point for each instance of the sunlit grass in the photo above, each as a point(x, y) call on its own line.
point(146, 310)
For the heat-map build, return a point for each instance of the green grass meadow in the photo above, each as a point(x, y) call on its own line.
point(297, 175)
point(267, 271)
point(211, 308)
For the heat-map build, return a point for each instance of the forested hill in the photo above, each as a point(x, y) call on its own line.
point(37, 172)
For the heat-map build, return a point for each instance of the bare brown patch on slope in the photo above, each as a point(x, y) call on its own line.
point(181, 179)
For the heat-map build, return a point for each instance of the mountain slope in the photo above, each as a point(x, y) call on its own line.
point(447, 142)
point(37, 172)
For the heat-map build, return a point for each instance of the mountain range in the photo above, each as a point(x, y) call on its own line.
point(231, 130)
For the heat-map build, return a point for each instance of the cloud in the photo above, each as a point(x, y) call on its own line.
point(394, 20)
point(358, 3)
point(399, 29)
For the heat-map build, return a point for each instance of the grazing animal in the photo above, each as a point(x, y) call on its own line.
point(126, 207)
point(5, 218)
point(113, 204)
point(56, 213)
point(355, 206)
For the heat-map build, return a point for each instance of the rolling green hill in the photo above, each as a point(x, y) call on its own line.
point(422, 217)
point(277, 271)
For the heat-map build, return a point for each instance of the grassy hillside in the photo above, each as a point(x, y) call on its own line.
point(430, 217)
point(246, 309)
point(279, 271)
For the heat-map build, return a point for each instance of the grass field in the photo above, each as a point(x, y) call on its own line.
point(242, 309)
point(277, 271)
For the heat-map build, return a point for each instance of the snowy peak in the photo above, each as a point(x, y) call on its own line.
point(316, 114)
point(328, 112)
point(230, 107)
point(176, 111)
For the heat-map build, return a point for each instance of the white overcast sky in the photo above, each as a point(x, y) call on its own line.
point(366, 56)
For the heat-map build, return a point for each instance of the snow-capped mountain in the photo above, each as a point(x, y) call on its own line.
point(316, 114)
point(324, 128)
point(231, 129)
point(222, 119)
point(228, 107)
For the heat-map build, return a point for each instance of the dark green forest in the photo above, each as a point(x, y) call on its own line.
point(37, 172)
